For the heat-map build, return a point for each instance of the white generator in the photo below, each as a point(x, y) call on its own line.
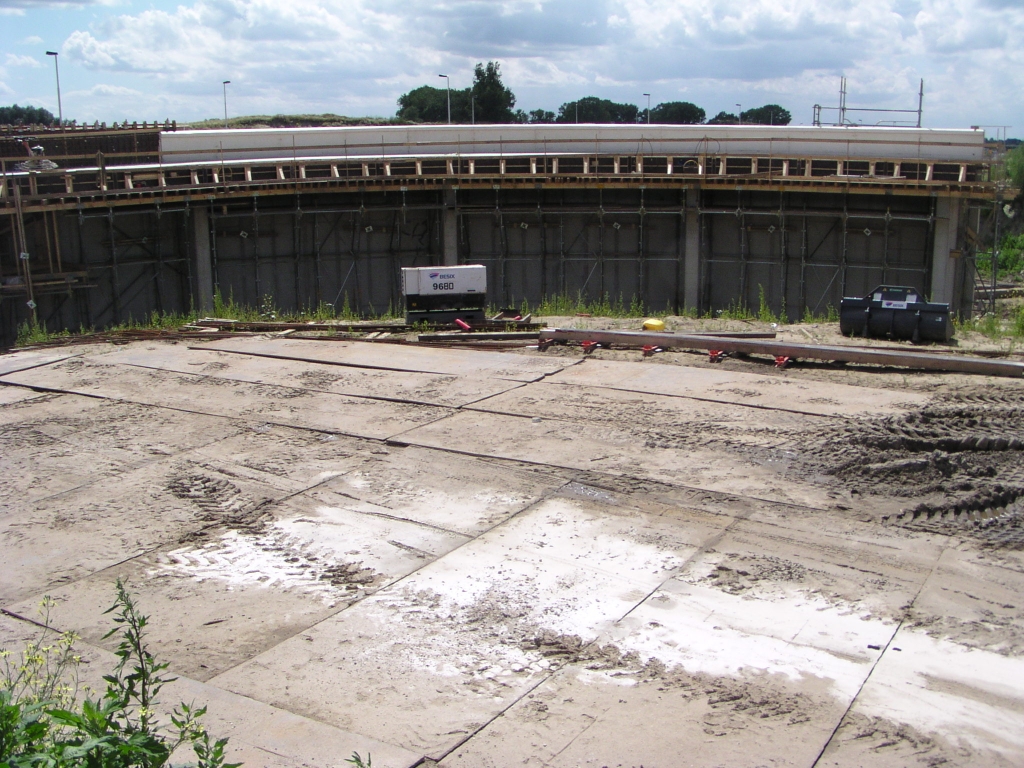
point(445, 294)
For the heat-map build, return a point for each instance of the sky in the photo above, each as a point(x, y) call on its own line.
point(124, 59)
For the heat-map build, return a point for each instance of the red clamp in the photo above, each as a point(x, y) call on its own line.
point(784, 361)
point(650, 349)
point(590, 346)
point(716, 355)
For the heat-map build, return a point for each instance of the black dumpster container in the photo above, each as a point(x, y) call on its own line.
point(895, 312)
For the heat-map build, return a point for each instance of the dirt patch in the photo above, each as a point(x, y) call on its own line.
point(19, 437)
point(744, 573)
point(991, 631)
point(729, 701)
point(876, 741)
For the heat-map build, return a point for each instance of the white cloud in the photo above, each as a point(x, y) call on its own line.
point(15, 60)
point(33, 40)
point(357, 56)
point(104, 89)
point(35, 4)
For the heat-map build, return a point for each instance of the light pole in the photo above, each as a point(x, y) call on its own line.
point(648, 108)
point(739, 113)
point(449, 85)
point(226, 83)
point(56, 69)
point(472, 106)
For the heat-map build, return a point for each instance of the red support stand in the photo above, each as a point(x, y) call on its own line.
point(716, 355)
point(784, 361)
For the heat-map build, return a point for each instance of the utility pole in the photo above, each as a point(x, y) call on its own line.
point(920, 103)
point(56, 69)
point(648, 108)
point(226, 84)
point(60, 109)
point(449, 82)
point(995, 252)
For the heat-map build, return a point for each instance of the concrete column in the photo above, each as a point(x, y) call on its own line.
point(691, 253)
point(947, 221)
point(450, 234)
point(203, 262)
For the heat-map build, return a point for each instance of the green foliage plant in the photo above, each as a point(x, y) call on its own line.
point(764, 310)
point(1015, 167)
point(32, 332)
point(43, 725)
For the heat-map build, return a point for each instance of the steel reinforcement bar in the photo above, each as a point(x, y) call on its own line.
point(924, 361)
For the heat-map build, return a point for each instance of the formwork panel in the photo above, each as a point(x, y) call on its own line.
point(799, 250)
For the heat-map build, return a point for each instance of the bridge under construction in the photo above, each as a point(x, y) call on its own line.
point(682, 218)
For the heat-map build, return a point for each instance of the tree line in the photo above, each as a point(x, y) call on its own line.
point(15, 115)
point(488, 100)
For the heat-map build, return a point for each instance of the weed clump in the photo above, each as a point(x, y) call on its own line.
point(43, 723)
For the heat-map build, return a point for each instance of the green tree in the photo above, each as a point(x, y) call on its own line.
point(1015, 166)
point(677, 113)
point(536, 116)
point(487, 101)
point(769, 114)
point(591, 109)
point(15, 115)
point(494, 102)
point(724, 118)
point(427, 104)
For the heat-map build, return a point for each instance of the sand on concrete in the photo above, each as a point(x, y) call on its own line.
point(466, 558)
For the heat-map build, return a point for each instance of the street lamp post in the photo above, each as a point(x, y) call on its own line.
point(472, 107)
point(449, 85)
point(226, 83)
point(648, 108)
point(739, 113)
point(56, 69)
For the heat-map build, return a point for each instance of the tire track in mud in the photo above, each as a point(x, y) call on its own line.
point(958, 461)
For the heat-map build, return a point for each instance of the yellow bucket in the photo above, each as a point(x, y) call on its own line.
point(653, 324)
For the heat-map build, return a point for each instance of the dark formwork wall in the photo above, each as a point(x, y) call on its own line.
point(123, 266)
point(804, 251)
point(324, 251)
point(592, 243)
point(799, 251)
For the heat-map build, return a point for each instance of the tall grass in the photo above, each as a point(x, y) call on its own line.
point(32, 332)
point(565, 304)
point(1011, 259)
point(993, 326)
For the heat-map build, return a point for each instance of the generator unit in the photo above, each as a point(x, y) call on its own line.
point(445, 294)
point(895, 312)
